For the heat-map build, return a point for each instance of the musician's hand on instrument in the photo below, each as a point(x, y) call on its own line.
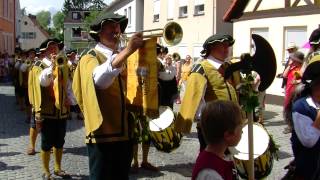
point(135, 42)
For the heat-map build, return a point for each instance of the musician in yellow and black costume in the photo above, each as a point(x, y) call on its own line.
point(51, 106)
point(29, 98)
point(72, 64)
point(23, 75)
point(206, 83)
point(18, 79)
point(100, 92)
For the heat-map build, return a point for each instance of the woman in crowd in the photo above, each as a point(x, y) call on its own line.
point(185, 71)
point(292, 74)
point(305, 136)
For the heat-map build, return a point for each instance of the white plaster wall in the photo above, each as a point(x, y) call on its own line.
point(276, 38)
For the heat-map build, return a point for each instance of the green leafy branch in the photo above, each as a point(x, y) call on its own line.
point(248, 96)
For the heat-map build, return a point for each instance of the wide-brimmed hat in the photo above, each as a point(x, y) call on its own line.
point(297, 56)
point(217, 38)
point(292, 45)
point(315, 37)
point(69, 52)
point(46, 43)
point(96, 26)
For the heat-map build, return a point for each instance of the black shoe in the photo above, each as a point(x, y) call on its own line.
point(62, 174)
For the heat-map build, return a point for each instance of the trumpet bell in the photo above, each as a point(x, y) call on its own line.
point(172, 33)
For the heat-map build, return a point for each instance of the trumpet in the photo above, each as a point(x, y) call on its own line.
point(172, 34)
point(28, 62)
point(60, 59)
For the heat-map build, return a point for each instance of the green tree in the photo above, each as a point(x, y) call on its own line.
point(67, 6)
point(44, 19)
point(58, 20)
point(97, 5)
point(89, 19)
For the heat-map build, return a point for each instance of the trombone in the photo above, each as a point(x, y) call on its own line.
point(172, 34)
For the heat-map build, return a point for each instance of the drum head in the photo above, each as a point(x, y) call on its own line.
point(165, 119)
point(260, 143)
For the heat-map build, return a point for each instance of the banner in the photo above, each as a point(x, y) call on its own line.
point(142, 80)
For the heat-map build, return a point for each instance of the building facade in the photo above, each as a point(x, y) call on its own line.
point(199, 19)
point(7, 26)
point(132, 9)
point(280, 22)
point(32, 34)
point(75, 32)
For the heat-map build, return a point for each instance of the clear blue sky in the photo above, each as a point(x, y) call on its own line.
point(34, 6)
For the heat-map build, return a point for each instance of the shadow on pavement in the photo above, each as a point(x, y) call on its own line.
point(12, 121)
point(284, 155)
point(275, 123)
point(269, 115)
point(4, 166)
point(74, 177)
point(192, 135)
point(76, 150)
point(182, 169)
point(145, 174)
point(6, 154)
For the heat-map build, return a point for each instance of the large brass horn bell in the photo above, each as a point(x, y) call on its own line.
point(172, 33)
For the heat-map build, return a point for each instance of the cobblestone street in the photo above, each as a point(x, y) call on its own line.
point(15, 164)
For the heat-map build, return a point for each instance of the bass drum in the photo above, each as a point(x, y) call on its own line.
point(162, 132)
point(263, 159)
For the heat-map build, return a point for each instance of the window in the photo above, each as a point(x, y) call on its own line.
point(156, 11)
point(86, 14)
point(183, 8)
point(25, 23)
point(76, 32)
point(5, 8)
point(170, 10)
point(11, 11)
point(297, 35)
point(125, 12)
point(198, 7)
point(32, 35)
point(75, 15)
point(28, 35)
point(183, 51)
point(1, 9)
point(129, 15)
point(196, 52)
point(84, 35)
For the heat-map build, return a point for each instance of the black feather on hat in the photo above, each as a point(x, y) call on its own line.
point(217, 38)
point(96, 26)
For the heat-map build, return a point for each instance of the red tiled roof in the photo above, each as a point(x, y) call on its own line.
point(235, 11)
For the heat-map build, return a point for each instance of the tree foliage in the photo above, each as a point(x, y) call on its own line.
point(69, 5)
point(44, 19)
point(89, 19)
point(58, 20)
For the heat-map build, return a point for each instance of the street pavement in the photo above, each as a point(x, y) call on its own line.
point(15, 164)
